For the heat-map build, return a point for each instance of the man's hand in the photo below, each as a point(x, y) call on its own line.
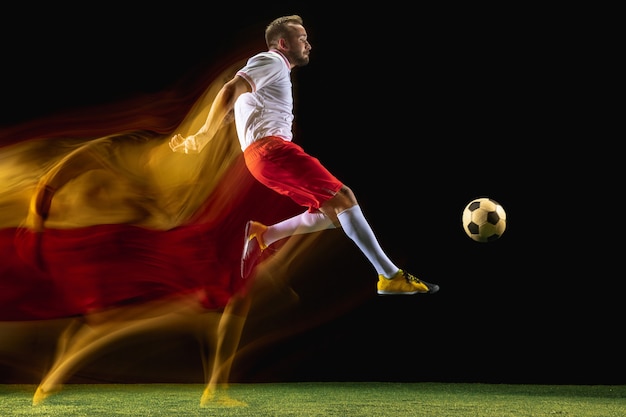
point(183, 145)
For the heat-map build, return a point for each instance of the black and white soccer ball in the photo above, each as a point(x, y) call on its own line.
point(484, 219)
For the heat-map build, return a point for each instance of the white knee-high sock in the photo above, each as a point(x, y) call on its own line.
point(302, 223)
point(358, 229)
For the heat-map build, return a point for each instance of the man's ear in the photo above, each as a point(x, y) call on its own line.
point(282, 44)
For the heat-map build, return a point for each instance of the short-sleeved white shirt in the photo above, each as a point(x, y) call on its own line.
point(268, 109)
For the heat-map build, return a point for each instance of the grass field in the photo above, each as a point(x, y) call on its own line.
point(325, 399)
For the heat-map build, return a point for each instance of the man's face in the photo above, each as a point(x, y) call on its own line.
point(298, 47)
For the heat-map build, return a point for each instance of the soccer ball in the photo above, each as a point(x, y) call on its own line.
point(484, 219)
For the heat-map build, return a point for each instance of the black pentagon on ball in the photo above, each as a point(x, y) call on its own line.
point(493, 237)
point(473, 228)
point(493, 217)
point(474, 206)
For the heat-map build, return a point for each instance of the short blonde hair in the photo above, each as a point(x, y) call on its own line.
point(279, 28)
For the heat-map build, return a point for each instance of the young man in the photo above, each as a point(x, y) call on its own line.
point(261, 96)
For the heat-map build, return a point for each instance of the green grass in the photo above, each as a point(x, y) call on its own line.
point(367, 399)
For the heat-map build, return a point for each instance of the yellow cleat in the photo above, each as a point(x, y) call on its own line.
point(404, 283)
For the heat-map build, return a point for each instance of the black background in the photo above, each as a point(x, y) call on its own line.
point(418, 111)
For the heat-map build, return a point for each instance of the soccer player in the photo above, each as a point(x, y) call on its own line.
point(260, 94)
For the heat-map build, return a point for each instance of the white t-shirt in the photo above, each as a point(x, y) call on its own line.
point(268, 109)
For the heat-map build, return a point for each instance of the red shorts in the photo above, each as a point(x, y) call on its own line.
point(284, 167)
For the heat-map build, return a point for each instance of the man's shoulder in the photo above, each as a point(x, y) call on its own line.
point(268, 56)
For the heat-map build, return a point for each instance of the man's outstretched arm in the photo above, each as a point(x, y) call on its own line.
point(220, 109)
